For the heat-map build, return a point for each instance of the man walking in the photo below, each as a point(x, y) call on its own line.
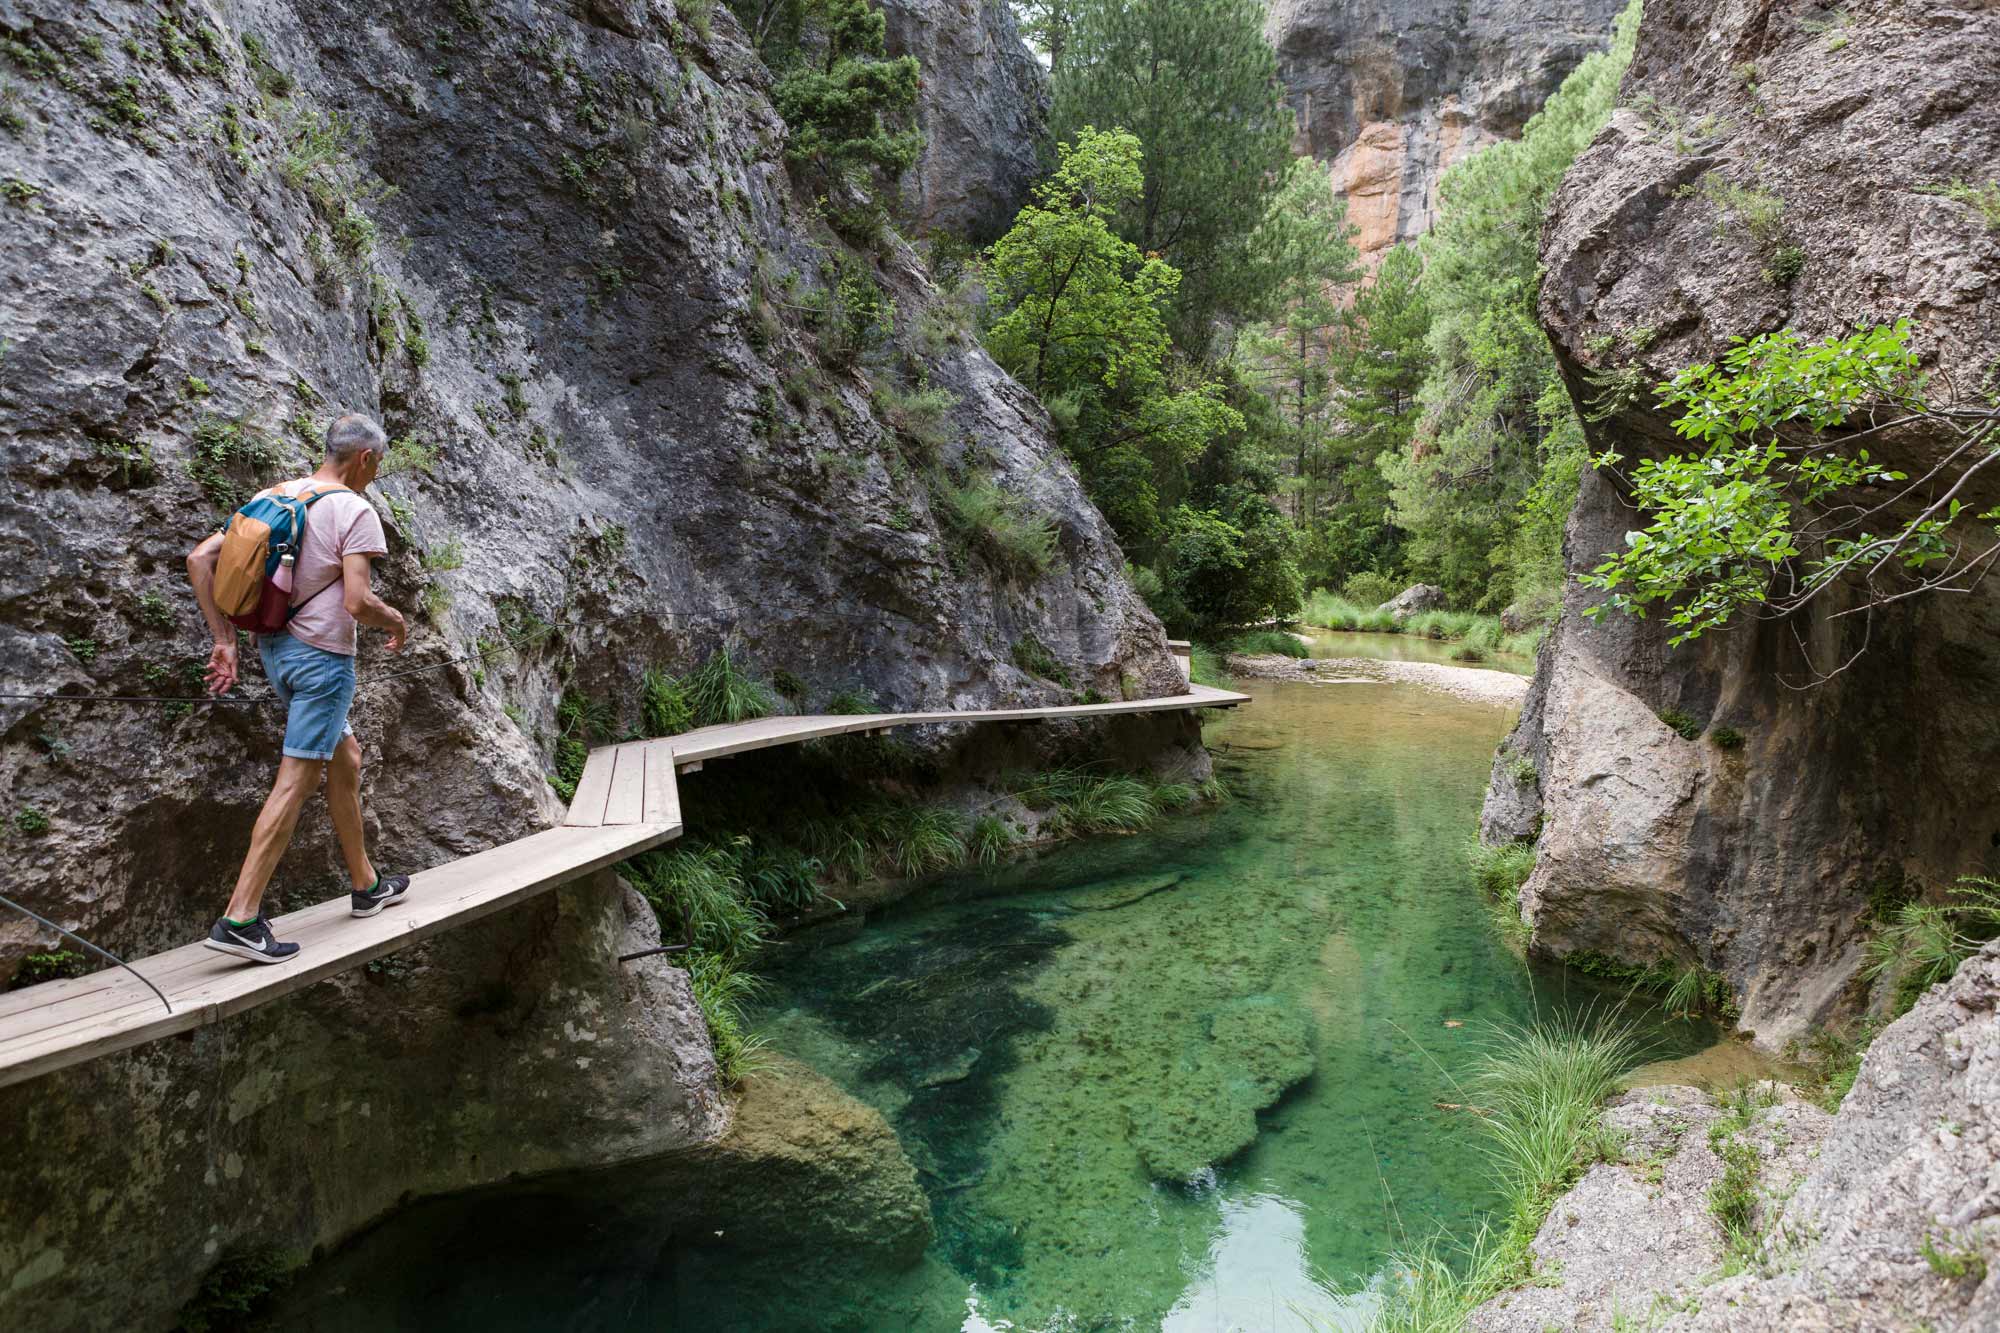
point(310, 665)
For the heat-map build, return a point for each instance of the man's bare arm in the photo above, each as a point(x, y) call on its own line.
point(358, 594)
point(221, 674)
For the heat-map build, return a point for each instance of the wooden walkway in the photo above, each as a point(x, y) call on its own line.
point(626, 802)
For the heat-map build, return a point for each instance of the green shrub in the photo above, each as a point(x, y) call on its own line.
point(1370, 589)
point(855, 702)
point(699, 895)
point(1732, 1199)
point(225, 452)
point(1323, 608)
point(1076, 801)
point(1205, 667)
point(990, 839)
point(1268, 641)
point(237, 1290)
point(1924, 943)
point(721, 988)
point(1542, 1088)
point(921, 839)
point(1502, 870)
point(31, 820)
point(54, 965)
point(1680, 722)
point(1001, 524)
point(1832, 1061)
point(1725, 738)
point(920, 416)
point(1954, 1262)
point(1694, 990)
point(1033, 656)
point(664, 706)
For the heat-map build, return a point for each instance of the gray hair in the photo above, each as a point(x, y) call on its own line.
point(353, 433)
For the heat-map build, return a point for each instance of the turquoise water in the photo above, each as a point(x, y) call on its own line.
point(1187, 1080)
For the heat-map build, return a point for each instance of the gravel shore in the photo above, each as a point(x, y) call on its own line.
point(1474, 684)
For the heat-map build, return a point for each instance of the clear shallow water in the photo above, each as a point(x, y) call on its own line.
point(1038, 1037)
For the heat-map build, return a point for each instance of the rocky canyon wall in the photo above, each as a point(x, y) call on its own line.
point(984, 113)
point(1391, 92)
point(557, 250)
point(1766, 862)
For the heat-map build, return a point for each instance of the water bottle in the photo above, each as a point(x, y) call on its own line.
point(283, 578)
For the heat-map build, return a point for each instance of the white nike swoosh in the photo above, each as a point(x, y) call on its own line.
point(258, 945)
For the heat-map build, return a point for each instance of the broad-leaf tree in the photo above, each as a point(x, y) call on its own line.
point(1781, 500)
point(1198, 83)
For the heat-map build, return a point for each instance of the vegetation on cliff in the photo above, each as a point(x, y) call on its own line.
point(1780, 500)
point(1481, 464)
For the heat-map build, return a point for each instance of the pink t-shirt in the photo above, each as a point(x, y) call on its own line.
point(341, 524)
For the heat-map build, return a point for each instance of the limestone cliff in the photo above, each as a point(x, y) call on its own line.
point(558, 251)
point(1760, 862)
point(984, 111)
point(1886, 1216)
point(1391, 92)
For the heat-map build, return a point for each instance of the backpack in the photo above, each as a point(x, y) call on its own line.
point(255, 539)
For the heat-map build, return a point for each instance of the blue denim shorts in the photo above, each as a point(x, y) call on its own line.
point(316, 687)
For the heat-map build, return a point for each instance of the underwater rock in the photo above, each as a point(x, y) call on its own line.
point(957, 1071)
point(1256, 1048)
point(805, 1166)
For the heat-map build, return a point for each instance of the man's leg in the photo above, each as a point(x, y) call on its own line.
point(297, 779)
point(343, 802)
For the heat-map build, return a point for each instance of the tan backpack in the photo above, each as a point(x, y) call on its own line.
point(255, 541)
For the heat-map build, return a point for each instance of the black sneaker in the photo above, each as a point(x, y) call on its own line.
point(254, 941)
point(388, 889)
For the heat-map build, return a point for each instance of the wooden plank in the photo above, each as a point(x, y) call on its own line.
point(626, 803)
point(586, 808)
point(663, 797)
point(331, 942)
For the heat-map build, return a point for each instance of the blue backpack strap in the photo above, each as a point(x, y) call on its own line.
point(305, 503)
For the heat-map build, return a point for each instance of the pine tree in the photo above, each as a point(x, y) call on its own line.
point(835, 108)
point(1046, 24)
point(1307, 243)
point(1198, 83)
point(1483, 491)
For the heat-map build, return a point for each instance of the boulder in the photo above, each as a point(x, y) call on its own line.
point(1883, 1215)
point(1416, 598)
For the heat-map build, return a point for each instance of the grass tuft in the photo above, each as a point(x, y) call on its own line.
point(1268, 642)
point(1542, 1089)
point(720, 691)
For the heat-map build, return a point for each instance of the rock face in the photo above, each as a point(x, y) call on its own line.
point(556, 251)
point(1759, 861)
point(1887, 1215)
point(1391, 92)
point(1635, 1239)
point(984, 110)
point(811, 1181)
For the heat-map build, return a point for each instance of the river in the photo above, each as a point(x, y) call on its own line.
point(1038, 1036)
